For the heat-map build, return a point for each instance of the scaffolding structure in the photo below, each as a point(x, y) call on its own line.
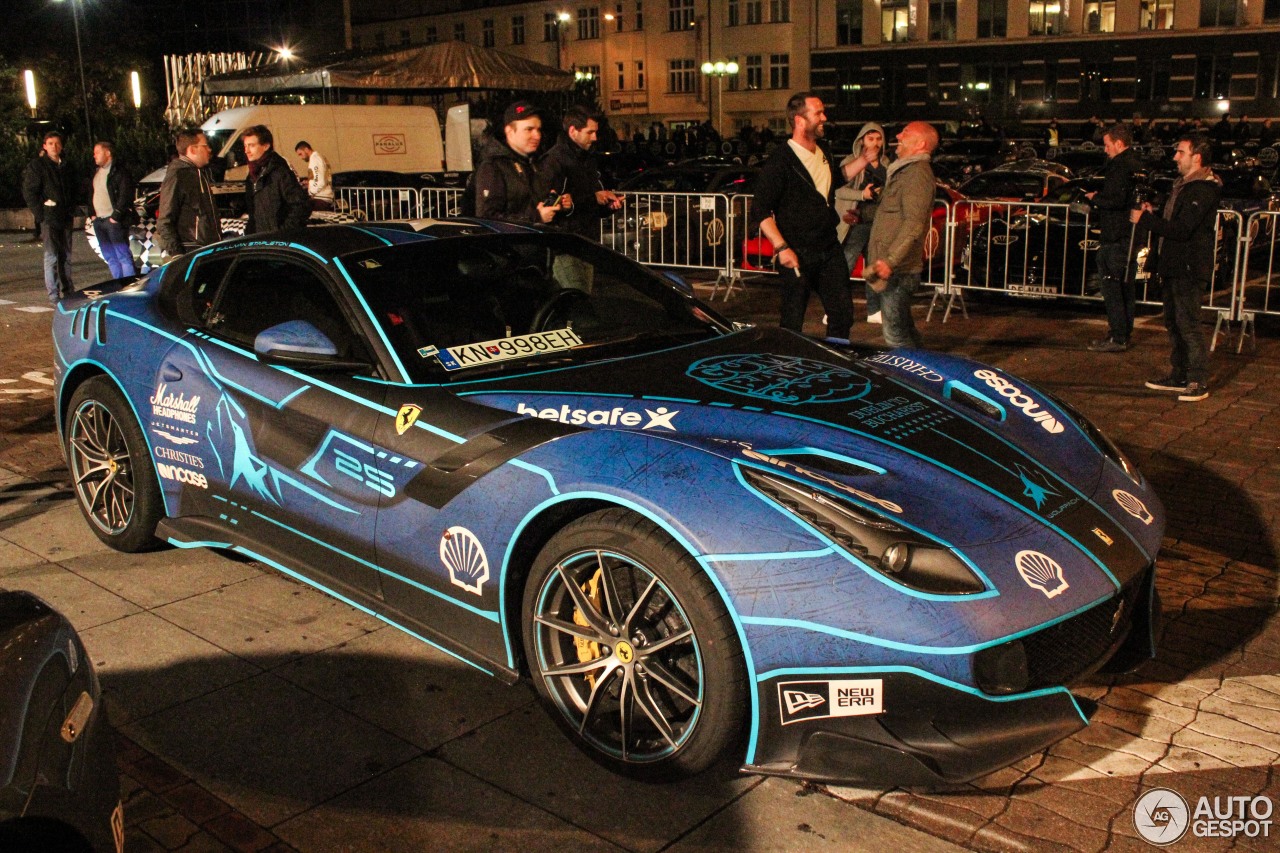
point(184, 77)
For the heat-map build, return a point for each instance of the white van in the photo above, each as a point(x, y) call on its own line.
point(403, 139)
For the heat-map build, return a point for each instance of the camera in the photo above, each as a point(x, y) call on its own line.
point(875, 190)
point(1143, 193)
point(552, 199)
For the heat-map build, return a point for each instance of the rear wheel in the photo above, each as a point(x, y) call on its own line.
point(111, 470)
point(631, 649)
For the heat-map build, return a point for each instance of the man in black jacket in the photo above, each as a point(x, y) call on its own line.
point(510, 183)
point(1185, 263)
point(793, 204)
point(570, 167)
point(49, 187)
point(272, 193)
point(1113, 203)
point(188, 217)
point(111, 203)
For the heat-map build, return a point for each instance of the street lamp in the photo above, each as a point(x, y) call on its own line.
point(84, 91)
point(30, 78)
point(562, 21)
point(136, 85)
point(719, 70)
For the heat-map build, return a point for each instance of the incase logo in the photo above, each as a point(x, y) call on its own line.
point(1013, 393)
point(617, 416)
point(182, 475)
point(816, 700)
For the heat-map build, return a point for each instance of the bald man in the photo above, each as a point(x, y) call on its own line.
point(899, 232)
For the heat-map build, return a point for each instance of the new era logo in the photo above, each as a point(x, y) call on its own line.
point(799, 701)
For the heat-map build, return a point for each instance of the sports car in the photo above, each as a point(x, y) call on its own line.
point(695, 538)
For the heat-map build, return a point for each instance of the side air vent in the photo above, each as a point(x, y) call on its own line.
point(827, 465)
point(965, 397)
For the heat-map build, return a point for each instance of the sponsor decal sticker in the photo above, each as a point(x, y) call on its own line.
point(188, 459)
point(799, 701)
point(660, 418)
point(406, 417)
point(1028, 405)
point(1107, 540)
point(1042, 572)
point(464, 557)
point(174, 408)
point(1035, 486)
point(182, 475)
point(787, 380)
point(907, 365)
point(427, 352)
point(502, 349)
point(1130, 504)
point(173, 438)
point(389, 143)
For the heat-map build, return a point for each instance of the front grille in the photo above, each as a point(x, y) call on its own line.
point(1063, 652)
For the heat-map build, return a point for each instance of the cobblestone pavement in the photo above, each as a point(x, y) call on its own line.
point(1203, 719)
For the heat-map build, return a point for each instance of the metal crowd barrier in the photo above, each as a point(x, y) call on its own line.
point(1258, 285)
point(681, 230)
point(439, 202)
point(380, 203)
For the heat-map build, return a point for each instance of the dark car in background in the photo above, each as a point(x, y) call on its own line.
point(59, 786)
point(1024, 180)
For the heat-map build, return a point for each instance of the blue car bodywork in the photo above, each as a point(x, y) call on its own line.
point(420, 493)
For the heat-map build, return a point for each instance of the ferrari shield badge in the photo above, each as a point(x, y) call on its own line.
point(406, 417)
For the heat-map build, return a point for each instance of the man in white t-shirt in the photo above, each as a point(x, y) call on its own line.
point(320, 186)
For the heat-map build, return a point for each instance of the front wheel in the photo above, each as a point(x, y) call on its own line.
point(111, 469)
point(631, 649)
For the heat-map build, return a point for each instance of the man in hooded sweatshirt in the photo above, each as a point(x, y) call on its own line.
point(272, 195)
point(509, 183)
point(865, 170)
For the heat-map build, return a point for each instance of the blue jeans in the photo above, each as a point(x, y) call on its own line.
point(855, 242)
point(113, 242)
point(1190, 357)
point(895, 307)
point(57, 259)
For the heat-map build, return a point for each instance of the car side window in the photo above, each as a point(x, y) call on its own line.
point(262, 292)
point(204, 284)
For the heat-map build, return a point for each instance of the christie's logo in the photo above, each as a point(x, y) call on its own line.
point(188, 459)
point(907, 365)
point(179, 408)
point(1030, 407)
point(617, 416)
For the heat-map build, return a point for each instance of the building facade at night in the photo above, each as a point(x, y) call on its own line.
point(942, 60)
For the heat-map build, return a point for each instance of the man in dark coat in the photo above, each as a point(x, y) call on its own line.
point(50, 187)
point(111, 203)
point(272, 194)
point(1187, 230)
point(1112, 204)
point(509, 181)
point(793, 204)
point(188, 217)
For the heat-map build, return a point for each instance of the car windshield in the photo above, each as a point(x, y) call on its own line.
point(459, 308)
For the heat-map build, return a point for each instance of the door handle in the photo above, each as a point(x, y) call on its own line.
point(169, 373)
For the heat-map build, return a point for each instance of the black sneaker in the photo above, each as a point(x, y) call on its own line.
point(1194, 392)
point(1168, 383)
point(1108, 345)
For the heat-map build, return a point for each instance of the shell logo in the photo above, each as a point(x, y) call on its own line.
point(389, 143)
point(464, 557)
point(1042, 572)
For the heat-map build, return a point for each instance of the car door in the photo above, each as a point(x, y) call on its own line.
point(279, 459)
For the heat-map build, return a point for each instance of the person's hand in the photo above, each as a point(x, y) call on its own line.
point(607, 198)
point(850, 217)
point(566, 201)
point(867, 194)
point(883, 272)
point(1136, 214)
point(788, 258)
point(547, 212)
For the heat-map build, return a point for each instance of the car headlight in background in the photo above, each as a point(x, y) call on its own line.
point(900, 554)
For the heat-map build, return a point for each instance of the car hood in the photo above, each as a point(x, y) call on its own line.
point(967, 451)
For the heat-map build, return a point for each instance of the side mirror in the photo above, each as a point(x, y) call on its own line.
point(297, 343)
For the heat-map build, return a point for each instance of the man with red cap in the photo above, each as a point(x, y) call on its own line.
point(508, 183)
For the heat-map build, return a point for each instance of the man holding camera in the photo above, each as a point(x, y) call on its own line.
point(865, 170)
point(508, 183)
point(1113, 203)
point(1187, 232)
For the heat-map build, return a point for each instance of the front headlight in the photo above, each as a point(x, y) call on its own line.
point(896, 552)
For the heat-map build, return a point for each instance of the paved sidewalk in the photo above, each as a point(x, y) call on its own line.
point(257, 714)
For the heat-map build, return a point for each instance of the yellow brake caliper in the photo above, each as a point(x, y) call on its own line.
point(589, 649)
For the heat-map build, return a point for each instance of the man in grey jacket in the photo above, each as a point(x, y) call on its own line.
point(899, 231)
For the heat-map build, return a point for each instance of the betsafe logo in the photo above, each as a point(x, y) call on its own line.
point(661, 417)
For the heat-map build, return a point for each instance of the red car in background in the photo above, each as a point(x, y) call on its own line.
point(757, 251)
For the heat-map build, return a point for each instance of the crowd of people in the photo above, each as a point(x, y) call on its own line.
point(822, 214)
